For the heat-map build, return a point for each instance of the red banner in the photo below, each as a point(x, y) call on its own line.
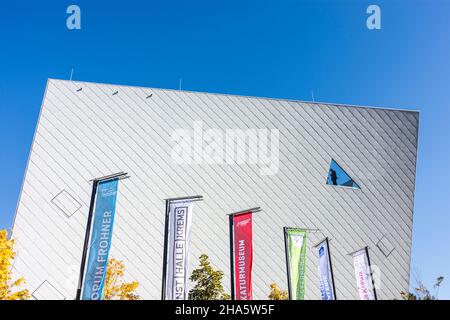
point(243, 256)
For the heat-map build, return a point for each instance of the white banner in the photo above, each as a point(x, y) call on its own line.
point(363, 276)
point(180, 218)
point(325, 275)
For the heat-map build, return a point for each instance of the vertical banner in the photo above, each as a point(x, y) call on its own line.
point(178, 241)
point(326, 281)
point(296, 254)
point(105, 208)
point(243, 255)
point(363, 275)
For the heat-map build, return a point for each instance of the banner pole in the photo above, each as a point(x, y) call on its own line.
point(331, 268)
point(230, 217)
point(166, 235)
point(288, 265)
point(86, 238)
point(371, 274)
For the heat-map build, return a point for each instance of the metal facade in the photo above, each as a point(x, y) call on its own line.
point(103, 129)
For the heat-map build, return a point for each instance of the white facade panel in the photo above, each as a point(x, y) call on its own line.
point(90, 133)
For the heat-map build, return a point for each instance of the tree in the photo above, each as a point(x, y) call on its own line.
point(277, 294)
point(8, 286)
point(115, 287)
point(437, 285)
point(208, 282)
point(421, 292)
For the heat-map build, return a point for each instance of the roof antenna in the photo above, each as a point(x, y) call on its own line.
point(181, 81)
point(71, 76)
point(312, 95)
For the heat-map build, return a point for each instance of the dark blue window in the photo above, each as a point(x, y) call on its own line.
point(338, 177)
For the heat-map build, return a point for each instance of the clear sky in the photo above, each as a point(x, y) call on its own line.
point(283, 49)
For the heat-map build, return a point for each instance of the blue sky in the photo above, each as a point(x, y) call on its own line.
point(280, 49)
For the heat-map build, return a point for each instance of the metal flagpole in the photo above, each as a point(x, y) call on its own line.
point(231, 256)
point(166, 235)
point(192, 198)
point(371, 274)
point(288, 265)
point(95, 182)
point(86, 238)
point(331, 268)
point(252, 210)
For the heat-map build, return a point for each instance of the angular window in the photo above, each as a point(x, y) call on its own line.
point(338, 177)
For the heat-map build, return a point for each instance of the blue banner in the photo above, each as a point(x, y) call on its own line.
point(325, 276)
point(105, 208)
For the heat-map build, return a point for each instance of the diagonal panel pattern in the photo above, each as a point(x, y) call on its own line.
point(90, 133)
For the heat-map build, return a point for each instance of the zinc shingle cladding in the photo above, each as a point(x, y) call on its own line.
point(91, 133)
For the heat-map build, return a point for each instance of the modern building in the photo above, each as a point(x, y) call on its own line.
point(88, 130)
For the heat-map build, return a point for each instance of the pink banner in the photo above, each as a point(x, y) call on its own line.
point(243, 255)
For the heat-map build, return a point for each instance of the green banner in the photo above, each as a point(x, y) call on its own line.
point(297, 262)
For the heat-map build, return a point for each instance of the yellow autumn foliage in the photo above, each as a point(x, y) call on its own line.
point(9, 288)
point(277, 294)
point(115, 287)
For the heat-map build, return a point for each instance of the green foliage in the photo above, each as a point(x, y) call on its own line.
point(421, 292)
point(208, 282)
